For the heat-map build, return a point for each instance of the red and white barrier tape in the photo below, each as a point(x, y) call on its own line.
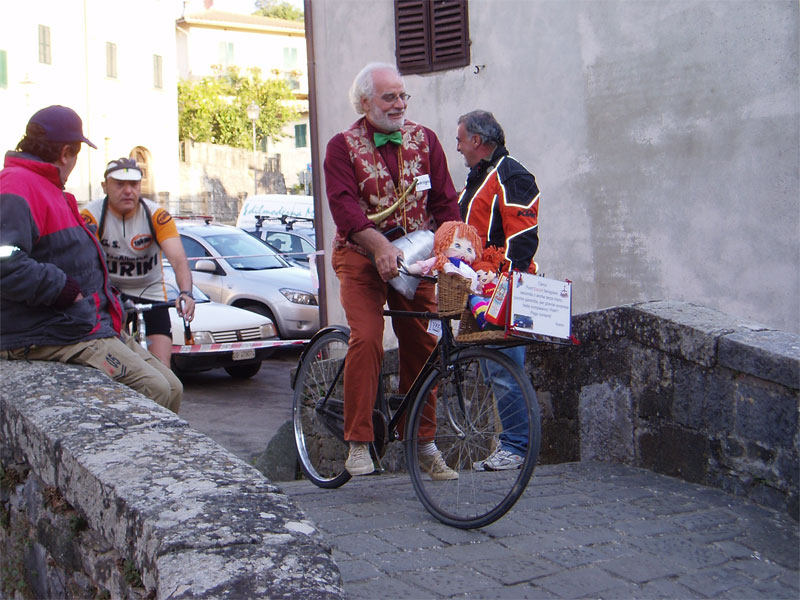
point(229, 346)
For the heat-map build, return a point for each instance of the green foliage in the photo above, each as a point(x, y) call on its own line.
point(78, 524)
point(214, 109)
point(278, 9)
point(131, 574)
point(13, 583)
point(10, 478)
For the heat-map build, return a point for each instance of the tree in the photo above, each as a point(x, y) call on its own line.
point(214, 109)
point(278, 9)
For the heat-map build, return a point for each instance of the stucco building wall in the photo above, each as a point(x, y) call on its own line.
point(119, 114)
point(664, 137)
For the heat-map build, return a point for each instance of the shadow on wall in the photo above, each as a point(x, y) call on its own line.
point(215, 200)
point(271, 182)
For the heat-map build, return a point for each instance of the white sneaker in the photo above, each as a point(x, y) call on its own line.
point(499, 460)
point(359, 462)
point(434, 465)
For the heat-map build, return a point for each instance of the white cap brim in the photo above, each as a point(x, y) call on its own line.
point(126, 174)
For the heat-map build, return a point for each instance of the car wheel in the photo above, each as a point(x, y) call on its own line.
point(243, 371)
point(179, 373)
point(264, 312)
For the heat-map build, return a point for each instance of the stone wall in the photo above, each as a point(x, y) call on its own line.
point(680, 389)
point(104, 494)
point(215, 179)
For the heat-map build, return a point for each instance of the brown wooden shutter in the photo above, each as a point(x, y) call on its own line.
point(431, 35)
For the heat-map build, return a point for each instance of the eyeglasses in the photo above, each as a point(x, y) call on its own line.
point(392, 98)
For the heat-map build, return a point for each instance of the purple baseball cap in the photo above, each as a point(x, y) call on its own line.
point(61, 124)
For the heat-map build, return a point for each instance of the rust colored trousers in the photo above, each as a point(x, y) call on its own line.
point(363, 294)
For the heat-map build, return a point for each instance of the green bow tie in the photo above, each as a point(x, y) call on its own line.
point(381, 138)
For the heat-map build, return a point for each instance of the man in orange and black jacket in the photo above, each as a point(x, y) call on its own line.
point(501, 200)
point(500, 197)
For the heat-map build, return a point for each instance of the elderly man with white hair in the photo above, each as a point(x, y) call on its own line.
point(368, 168)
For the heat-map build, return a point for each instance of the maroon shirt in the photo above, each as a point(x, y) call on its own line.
point(342, 186)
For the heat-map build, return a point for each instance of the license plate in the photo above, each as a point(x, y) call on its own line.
point(244, 354)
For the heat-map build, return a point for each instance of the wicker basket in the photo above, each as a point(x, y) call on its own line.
point(452, 290)
point(470, 332)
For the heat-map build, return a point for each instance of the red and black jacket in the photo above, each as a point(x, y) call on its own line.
point(54, 257)
point(501, 200)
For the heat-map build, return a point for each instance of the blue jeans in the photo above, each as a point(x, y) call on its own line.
point(510, 403)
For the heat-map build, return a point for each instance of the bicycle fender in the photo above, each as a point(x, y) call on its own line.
point(343, 328)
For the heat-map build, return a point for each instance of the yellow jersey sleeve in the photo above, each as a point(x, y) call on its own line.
point(164, 225)
point(89, 219)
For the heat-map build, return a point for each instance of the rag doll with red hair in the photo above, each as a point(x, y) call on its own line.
point(487, 269)
point(456, 246)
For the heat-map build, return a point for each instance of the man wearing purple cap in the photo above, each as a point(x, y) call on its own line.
point(56, 301)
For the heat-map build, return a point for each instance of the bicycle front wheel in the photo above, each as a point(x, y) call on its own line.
point(484, 403)
point(318, 411)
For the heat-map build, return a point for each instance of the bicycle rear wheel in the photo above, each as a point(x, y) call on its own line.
point(472, 403)
point(318, 411)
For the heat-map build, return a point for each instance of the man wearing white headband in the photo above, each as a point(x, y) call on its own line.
point(133, 232)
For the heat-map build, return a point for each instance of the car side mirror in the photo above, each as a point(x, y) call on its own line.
point(207, 266)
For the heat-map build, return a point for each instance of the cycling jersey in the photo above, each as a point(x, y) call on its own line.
point(132, 246)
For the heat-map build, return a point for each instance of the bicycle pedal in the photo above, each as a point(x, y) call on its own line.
point(377, 461)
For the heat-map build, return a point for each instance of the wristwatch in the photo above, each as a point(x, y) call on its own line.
point(185, 293)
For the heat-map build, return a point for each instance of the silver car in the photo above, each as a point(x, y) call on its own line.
point(293, 238)
point(236, 268)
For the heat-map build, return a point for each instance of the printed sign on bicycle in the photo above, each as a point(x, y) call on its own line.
point(540, 306)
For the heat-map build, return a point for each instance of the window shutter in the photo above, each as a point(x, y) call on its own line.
point(450, 45)
point(412, 36)
point(431, 35)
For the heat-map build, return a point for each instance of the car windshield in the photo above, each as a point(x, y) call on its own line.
point(244, 252)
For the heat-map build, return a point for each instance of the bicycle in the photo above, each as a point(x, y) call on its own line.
point(468, 421)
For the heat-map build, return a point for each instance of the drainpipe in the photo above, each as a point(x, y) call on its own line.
point(89, 130)
point(316, 163)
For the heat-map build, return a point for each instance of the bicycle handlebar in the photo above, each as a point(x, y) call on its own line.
point(130, 305)
point(403, 268)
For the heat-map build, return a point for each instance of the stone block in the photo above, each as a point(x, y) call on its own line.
point(689, 331)
point(560, 441)
point(767, 354)
point(651, 381)
point(665, 448)
point(165, 497)
point(764, 413)
point(278, 462)
point(606, 422)
point(702, 398)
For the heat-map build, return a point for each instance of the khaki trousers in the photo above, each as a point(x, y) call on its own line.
point(363, 294)
point(126, 362)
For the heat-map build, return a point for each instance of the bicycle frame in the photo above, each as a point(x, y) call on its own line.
point(461, 429)
point(445, 347)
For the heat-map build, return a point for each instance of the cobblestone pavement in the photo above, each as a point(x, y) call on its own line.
point(581, 530)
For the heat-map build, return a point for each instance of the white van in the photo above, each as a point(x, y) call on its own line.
point(274, 205)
